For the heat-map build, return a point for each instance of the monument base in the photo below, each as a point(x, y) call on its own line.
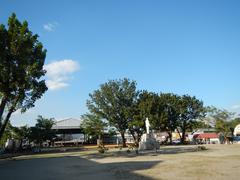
point(148, 142)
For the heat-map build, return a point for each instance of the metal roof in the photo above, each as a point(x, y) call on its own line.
point(69, 123)
point(206, 136)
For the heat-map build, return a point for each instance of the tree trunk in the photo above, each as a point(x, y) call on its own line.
point(99, 141)
point(2, 107)
point(5, 122)
point(134, 137)
point(123, 139)
point(232, 131)
point(179, 134)
point(136, 141)
point(20, 146)
point(183, 136)
point(139, 138)
point(170, 136)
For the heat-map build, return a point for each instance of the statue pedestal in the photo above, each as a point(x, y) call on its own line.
point(148, 142)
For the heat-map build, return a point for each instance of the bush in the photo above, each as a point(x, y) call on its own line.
point(101, 150)
point(201, 148)
point(128, 151)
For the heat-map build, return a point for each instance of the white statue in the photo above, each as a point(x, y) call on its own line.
point(148, 142)
point(147, 125)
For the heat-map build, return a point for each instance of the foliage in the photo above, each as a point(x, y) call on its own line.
point(22, 132)
point(224, 120)
point(146, 107)
point(8, 134)
point(21, 69)
point(101, 148)
point(42, 130)
point(219, 114)
point(200, 124)
point(222, 126)
point(191, 109)
point(112, 131)
point(93, 125)
point(12, 132)
point(142, 109)
point(126, 109)
point(170, 112)
point(114, 101)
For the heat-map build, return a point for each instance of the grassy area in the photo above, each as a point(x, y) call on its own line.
point(171, 162)
point(187, 162)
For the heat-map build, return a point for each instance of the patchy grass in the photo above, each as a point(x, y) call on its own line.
point(171, 162)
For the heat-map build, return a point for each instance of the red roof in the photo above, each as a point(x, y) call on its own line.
point(206, 135)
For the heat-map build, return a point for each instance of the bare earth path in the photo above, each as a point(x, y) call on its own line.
point(175, 162)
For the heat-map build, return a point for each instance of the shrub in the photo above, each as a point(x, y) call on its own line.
point(101, 150)
point(128, 151)
point(201, 148)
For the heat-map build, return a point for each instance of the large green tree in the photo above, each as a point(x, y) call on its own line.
point(42, 131)
point(22, 133)
point(224, 121)
point(170, 112)
point(21, 69)
point(93, 125)
point(191, 110)
point(114, 101)
point(146, 107)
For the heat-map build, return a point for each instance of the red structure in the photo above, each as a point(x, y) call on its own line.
point(206, 136)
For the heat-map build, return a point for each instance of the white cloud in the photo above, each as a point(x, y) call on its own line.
point(18, 112)
point(59, 72)
point(54, 85)
point(50, 26)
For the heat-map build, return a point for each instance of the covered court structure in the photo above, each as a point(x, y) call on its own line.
point(68, 132)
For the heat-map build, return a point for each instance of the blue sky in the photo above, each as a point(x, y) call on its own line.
point(184, 47)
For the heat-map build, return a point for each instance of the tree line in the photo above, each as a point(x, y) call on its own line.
point(38, 134)
point(119, 103)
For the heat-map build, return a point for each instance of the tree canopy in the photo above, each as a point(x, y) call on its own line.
point(42, 131)
point(93, 125)
point(142, 109)
point(191, 109)
point(169, 118)
point(223, 120)
point(21, 69)
point(114, 101)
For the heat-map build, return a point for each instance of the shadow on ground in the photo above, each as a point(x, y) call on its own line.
point(178, 150)
point(71, 168)
point(132, 154)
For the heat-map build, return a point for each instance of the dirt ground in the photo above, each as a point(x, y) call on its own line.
point(171, 162)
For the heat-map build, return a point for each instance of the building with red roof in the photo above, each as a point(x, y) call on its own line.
point(208, 138)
